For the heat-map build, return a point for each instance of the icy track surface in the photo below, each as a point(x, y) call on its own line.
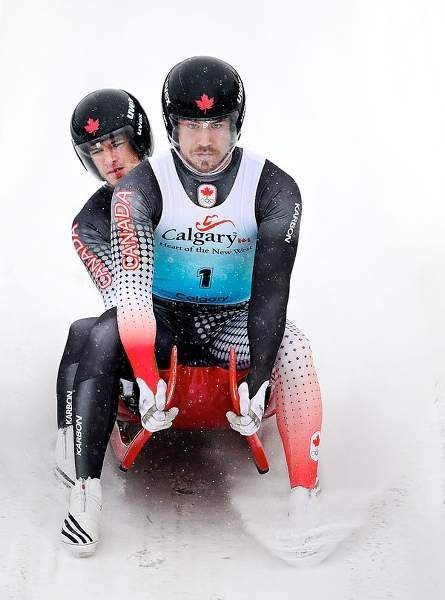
point(195, 521)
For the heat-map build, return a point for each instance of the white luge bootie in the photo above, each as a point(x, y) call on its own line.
point(313, 531)
point(80, 529)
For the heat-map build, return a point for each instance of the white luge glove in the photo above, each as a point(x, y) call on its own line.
point(154, 417)
point(252, 410)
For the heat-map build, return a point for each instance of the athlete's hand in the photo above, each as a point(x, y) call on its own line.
point(154, 417)
point(252, 410)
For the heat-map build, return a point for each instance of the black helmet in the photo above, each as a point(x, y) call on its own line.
point(103, 113)
point(204, 88)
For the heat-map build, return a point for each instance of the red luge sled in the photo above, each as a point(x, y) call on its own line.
point(203, 396)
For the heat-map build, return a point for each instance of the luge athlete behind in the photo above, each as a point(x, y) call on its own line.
point(111, 134)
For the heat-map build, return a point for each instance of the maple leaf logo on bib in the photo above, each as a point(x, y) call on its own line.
point(207, 195)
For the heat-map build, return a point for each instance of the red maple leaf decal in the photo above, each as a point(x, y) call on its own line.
point(207, 191)
point(205, 102)
point(316, 441)
point(92, 125)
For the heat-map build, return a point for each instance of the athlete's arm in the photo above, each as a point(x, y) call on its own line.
point(91, 239)
point(132, 248)
point(278, 208)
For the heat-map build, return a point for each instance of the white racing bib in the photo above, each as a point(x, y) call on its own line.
point(205, 254)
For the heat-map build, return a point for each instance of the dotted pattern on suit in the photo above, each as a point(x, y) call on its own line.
point(108, 293)
point(296, 398)
point(134, 285)
point(99, 264)
point(232, 332)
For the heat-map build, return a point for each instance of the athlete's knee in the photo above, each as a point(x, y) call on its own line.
point(102, 353)
point(77, 338)
point(294, 342)
point(81, 328)
point(105, 332)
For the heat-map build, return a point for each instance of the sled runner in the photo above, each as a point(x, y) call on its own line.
point(203, 396)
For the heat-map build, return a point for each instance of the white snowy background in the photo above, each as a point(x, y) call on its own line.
point(349, 98)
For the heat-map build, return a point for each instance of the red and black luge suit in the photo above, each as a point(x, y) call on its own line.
point(148, 324)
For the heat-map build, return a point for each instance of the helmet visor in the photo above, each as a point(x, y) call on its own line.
point(110, 156)
point(114, 139)
point(204, 144)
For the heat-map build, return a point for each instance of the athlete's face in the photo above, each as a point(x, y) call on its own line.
point(204, 144)
point(114, 158)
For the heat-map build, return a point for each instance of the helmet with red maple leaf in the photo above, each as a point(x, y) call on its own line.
point(101, 115)
point(204, 88)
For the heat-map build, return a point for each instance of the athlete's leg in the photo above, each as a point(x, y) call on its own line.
point(95, 397)
point(167, 335)
point(295, 393)
point(77, 336)
point(296, 396)
point(220, 331)
point(95, 402)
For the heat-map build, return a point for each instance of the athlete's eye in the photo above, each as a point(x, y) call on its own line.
point(96, 149)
